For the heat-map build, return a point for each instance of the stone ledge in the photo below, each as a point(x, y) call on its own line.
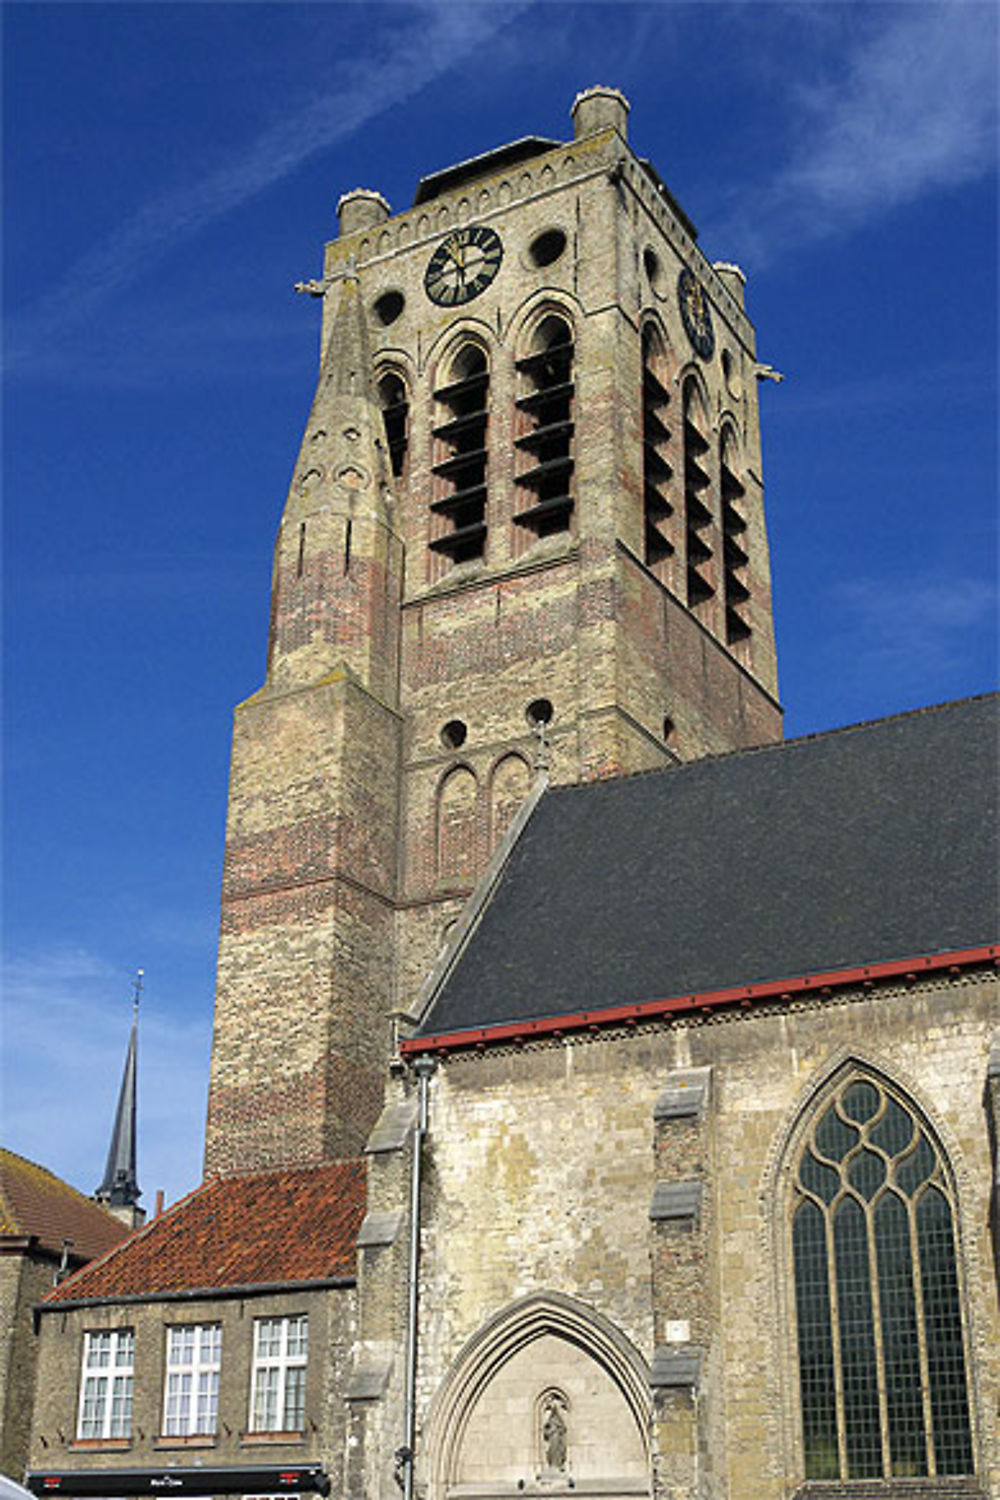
point(685, 1095)
point(379, 1227)
point(393, 1127)
point(676, 1200)
point(674, 1369)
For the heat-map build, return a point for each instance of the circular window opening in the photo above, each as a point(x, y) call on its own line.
point(539, 712)
point(454, 734)
point(653, 269)
point(388, 307)
point(547, 247)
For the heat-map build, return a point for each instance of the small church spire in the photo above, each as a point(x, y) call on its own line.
point(119, 1187)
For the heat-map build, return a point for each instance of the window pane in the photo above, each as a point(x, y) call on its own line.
point(857, 1343)
point(92, 1413)
point(812, 1293)
point(126, 1348)
point(900, 1349)
point(269, 1338)
point(295, 1398)
point(208, 1402)
point(943, 1331)
point(265, 1411)
point(298, 1337)
point(121, 1406)
point(98, 1350)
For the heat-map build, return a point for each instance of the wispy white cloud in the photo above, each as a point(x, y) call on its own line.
point(422, 43)
point(907, 107)
point(915, 629)
point(66, 1016)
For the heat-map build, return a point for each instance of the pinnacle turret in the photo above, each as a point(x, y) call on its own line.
point(338, 558)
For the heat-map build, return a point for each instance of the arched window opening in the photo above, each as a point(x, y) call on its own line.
point(697, 515)
point(657, 471)
point(459, 506)
point(456, 830)
point(545, 440)
point(734, 527)
point(396, 417)
point(881, 1351)
point(510, 785)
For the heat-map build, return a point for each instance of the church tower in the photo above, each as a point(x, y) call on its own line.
point(528, 503)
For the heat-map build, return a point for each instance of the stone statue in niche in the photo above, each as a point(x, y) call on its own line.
point(553, 1433)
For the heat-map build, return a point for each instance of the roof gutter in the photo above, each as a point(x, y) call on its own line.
point(197, 1294)
point(743, 997)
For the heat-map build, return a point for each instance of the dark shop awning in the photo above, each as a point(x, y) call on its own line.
point(289, 1479)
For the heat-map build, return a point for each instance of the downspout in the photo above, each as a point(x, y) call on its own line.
point(423, 1067)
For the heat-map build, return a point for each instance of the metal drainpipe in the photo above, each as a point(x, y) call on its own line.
point(423, 1067)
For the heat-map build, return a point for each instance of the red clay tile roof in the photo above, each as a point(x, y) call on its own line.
point(35, 1202)
point(299, 1224)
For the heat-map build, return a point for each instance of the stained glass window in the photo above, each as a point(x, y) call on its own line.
point(881, 1351)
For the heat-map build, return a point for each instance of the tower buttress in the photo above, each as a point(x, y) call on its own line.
point(305, 950)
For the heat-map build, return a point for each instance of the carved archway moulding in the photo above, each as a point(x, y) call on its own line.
point(498, 1340)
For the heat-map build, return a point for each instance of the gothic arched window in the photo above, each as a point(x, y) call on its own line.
point(395, 415)
point(698, 527)
point(657, 471)
point(462, 458)
point(545, 431)
point(881, 1350)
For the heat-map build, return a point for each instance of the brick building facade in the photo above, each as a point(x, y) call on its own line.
point(668, 1051)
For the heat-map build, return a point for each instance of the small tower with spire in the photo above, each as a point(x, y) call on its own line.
point(119, 1189)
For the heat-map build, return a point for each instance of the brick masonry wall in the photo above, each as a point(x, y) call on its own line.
point(24, 1280)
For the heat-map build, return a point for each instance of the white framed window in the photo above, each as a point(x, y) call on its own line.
point(191, 1389)
point(106, 1384)
point(278, 1390)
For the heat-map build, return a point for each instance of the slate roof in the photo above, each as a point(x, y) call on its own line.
point(265, 1229)
point(863, 845)
point(36, 1204)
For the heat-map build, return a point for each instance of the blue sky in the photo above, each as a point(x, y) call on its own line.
point(171, 170)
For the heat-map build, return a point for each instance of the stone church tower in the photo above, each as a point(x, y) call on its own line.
point(525, 526)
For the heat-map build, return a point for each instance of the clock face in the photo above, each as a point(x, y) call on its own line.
point(463, 265)
point(695, 314)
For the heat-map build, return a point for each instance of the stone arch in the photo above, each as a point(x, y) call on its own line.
point(510, 783)
point(445, 351)
point(539, 1344)
point(456, 840)
point(813, 1454)
point(534, 310)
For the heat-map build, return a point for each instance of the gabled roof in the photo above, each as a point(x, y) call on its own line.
point(265, 1229)
point(860, 846)
point(36, 1204)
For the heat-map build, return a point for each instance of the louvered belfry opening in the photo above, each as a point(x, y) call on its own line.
point(545, 445)
point(657, 471)
point(697, 515)
point(396, 418)
point(459, 509)
point(733, 539)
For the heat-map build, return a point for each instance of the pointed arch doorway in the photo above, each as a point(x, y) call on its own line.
point(548, 1399)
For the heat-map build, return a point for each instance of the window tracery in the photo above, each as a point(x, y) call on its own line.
point(881, 1349)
